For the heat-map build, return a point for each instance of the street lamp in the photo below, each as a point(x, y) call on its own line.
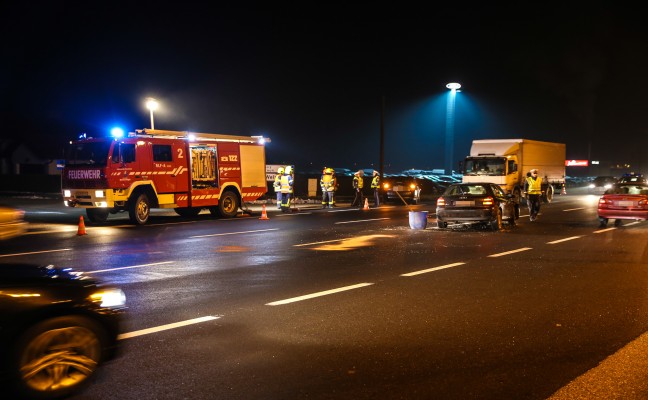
point(152, 105)
point(449, 140)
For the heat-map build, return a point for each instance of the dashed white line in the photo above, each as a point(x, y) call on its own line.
point(510, 252)
point(33, 252)
point(424, 271)
point(605, 230)
point(313, 243)
point(360, 220)
point(564, 240)
point(575, 209)
point(133, 266)
point(318, 294)
point(234, 233)
point(165, 327)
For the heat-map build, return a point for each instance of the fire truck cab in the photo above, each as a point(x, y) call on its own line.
point(148, 169)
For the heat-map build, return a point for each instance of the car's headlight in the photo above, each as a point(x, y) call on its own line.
point(591, 186)
point(109, 298)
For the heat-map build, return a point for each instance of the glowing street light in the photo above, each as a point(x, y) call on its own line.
point(152, 105)
point(450, 111)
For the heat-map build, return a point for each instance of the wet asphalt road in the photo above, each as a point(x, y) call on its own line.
point(348, 303)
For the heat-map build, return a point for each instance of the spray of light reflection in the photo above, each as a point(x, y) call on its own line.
point(351, 243)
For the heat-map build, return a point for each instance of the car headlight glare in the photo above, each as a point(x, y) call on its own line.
point(109, 298)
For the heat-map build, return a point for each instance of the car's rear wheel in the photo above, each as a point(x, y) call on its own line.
point(57, 357)
point(603, 222)
point(618, 222)
point(442, 224)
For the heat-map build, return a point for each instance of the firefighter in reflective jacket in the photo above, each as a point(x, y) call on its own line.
point(375, 185)
point(533, 191)
point(328, 183)
point(286, 181)
point(358, 183)
point(277, 186)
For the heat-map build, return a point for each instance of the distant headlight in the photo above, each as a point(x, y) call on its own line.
point(591, 186)
point(607, 186)
point(386, 185)
point(109, 298)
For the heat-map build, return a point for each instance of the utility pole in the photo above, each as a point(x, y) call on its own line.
point(382, 136)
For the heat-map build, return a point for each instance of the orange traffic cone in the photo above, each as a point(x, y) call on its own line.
point(264, 215)
point(564, 191)
point(81, 231)
point(366, 206)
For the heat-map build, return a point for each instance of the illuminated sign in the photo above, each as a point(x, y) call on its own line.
point(576, 163)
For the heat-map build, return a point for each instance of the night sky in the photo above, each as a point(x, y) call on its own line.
point(311, 76)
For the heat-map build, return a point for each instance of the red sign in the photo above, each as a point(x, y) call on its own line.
point(576, 163)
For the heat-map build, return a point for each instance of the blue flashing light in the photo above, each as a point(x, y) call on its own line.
point(82, 136)
point(117, 132)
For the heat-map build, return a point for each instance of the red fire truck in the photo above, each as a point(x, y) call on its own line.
point(164, 169)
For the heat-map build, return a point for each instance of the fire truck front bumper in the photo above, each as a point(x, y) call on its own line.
point(95, 198)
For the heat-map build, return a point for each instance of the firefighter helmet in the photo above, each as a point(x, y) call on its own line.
point(328, 171)
point(280, 170)
point(288, 170)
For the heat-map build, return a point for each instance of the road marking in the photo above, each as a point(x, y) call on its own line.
point(619, 376)
point(424, 271)
point(344, 210)
point(133, 266)
point(575, 209)
point(360, 220)
point(633, 223)
point(313, 243)
point(296, 213)
point(564, 240)
point(165, 327)
point(510, 252)
point(318, 294)
point(234, 233)
point(33, 252)
point(605, 230)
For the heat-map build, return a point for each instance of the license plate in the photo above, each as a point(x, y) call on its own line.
point(462, 203)
point(398, 188)
point(626, 203)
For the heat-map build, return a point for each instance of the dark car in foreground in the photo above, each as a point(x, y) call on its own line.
point(623, 201)
point(56, 327)
point(401, 189)
point(476, 202)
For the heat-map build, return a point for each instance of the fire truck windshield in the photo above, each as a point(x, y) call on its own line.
point(88, 153)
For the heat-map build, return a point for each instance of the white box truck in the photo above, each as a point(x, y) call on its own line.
point(507, 161)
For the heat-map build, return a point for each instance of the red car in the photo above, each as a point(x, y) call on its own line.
point(624, 201)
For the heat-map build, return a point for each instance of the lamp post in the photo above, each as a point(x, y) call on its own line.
point(449, 139)
point(152, 105)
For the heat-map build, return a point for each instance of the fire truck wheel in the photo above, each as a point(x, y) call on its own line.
point(228, 205)
point(139, 210)
point(98, 215)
